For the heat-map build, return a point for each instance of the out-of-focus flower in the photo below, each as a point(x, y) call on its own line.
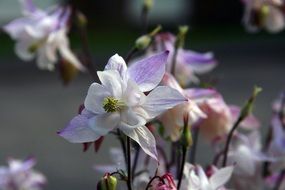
point(173, 120)
point(19, 175)
point(196, 179)
point(265, 14)
point(277, 145)
point(220, 116)
point(245, 153)
point(42, 34)
point(119, 102)
point(188, 62)
point(273, 179)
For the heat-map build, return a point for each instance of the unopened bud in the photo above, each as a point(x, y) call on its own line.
point(81, 19)
point(247, 109)
point(148, 4)
point(143, 42)
point(108, 182)
point(180, 39)
point(186, 138)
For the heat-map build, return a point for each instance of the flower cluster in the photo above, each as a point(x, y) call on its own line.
point(152, 103)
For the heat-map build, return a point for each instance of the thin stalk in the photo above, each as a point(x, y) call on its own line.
point(173, 63)
point(279, 180)
point(229, 138)
point(129, 165)
point(184, 155)
point(194, 146)
point(144, 18)
point(135, 162)
point(122, 142)
point(131, 53)
point(84, 41)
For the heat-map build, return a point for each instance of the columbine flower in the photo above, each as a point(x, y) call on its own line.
point(245, 153)
point(172, 119)
point(196, 179)
point(265, 14)
point(188, 62)
point(119, 102)
point(20, 176)
point(42, 33)
point(220, 116)
point(277, 145)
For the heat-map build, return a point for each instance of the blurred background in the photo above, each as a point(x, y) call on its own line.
point(34, 104)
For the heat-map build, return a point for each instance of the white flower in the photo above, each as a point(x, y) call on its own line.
point(41, 34)
point(20, 176)
point(196, 179)
point(119, 102)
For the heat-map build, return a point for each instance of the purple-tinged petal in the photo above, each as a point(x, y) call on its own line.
point(161, 99)
point(28, 6)
point(147, 73)
point(78, 131)
point(144, 138)
point(104, 123)
point(200, 94)
point(199, 62)
point(249, 123)
point(116, 62)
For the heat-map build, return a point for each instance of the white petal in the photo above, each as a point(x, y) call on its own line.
point(221, 177)
point(204, 182)
point(94, 99)
point(116, 62)
point(66, 52)
point(22, 50)
point(104, 123)
point(112, 81)
point(144, 138)
point(43, 61)
point(130, 119)
point(161, 99)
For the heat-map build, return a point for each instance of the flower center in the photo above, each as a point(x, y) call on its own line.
point(111, 104)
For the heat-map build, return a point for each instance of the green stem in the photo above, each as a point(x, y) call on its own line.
point(194, 146)
point(229, 138)
point(173, 64)
point(184, 154)
point(129, 165)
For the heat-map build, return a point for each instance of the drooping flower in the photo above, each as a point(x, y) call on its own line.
point(42, 34)
point(245, 153)
point(195, 178)
point(264, 14)
point(173, 120)
point(220, 116)
point(19, 175)
point(119, 102)
point(188, 62)
point(276, 147)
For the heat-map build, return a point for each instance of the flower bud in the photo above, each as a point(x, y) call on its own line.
point(81, 19)
point(247, 109)
point(182, 31)
point(108, 182)
point(148, 4)
point(143, 42)
point(186, 139)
